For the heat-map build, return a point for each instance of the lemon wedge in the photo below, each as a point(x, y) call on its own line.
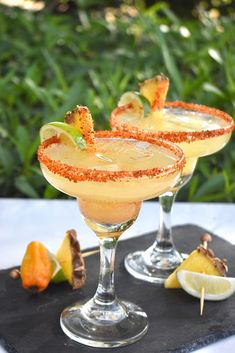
point(67, 133)
point(216, 287)
point(140, 104)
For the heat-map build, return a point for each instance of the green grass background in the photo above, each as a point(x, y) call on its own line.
point(49, 62)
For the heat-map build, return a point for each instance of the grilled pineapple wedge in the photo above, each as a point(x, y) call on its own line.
point(155, 90)
point(200, 260)
point(70, 259)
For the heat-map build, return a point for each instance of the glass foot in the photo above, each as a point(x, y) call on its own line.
point(95, 325)
point(152, 266)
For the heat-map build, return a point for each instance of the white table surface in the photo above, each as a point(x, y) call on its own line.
point(22, 221)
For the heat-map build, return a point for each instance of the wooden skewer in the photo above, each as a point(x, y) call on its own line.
point(205, 239)
point(89, 253)
point(202, 300)
point(15, 273)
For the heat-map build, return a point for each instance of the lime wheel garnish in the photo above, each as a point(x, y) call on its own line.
point(66, 133)
point(135, 102)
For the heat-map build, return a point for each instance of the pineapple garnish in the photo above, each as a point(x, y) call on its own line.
point(71, 260)
point(200, 260)
point(150, 98)
point(155, 90)
point(80, 118)
point(40, 266)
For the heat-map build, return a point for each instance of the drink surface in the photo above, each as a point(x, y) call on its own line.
point(181, 120)
point(113, 155)
point(178, 120)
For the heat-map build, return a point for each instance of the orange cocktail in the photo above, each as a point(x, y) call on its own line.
point(110, 175)
point(198, 130)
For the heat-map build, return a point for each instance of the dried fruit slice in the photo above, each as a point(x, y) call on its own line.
point(155, 90)
point(36, 268)
point(80, 118)
point(200, 260)
point(216, 288)
point(137, 102)
point(70, 258)
point(67, 133)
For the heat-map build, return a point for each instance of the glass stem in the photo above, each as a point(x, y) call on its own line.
point(164, 240)
point(105, 293)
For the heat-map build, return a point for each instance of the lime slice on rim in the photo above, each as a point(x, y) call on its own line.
point(67, 133)
point(140, 103)
point(216, 287)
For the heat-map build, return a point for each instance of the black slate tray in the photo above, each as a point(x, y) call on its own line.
point(30, 323)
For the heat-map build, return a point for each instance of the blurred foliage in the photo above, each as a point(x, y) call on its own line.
point(189, 8)
point(53, 59)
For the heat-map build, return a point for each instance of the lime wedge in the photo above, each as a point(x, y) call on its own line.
point(140, 104)
point(216, 287)
point(67, 133)
point(58, 273)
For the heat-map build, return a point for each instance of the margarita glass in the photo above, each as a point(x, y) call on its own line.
point(199, 131)
point(109, 181)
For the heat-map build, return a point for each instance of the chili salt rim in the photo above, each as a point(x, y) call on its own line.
point(176, 136)
point(77, 174)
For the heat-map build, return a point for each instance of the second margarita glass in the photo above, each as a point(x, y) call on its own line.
point(199, 131)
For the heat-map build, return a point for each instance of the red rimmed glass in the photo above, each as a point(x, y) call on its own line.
point(109, 183)
point(199, 131)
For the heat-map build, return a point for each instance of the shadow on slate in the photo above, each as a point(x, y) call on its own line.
point(30, 323)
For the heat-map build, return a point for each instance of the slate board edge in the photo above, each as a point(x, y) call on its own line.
point(201, 342)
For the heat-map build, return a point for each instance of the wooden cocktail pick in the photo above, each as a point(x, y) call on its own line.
point(15, 273)
point(205, 239)
point(89, 253)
